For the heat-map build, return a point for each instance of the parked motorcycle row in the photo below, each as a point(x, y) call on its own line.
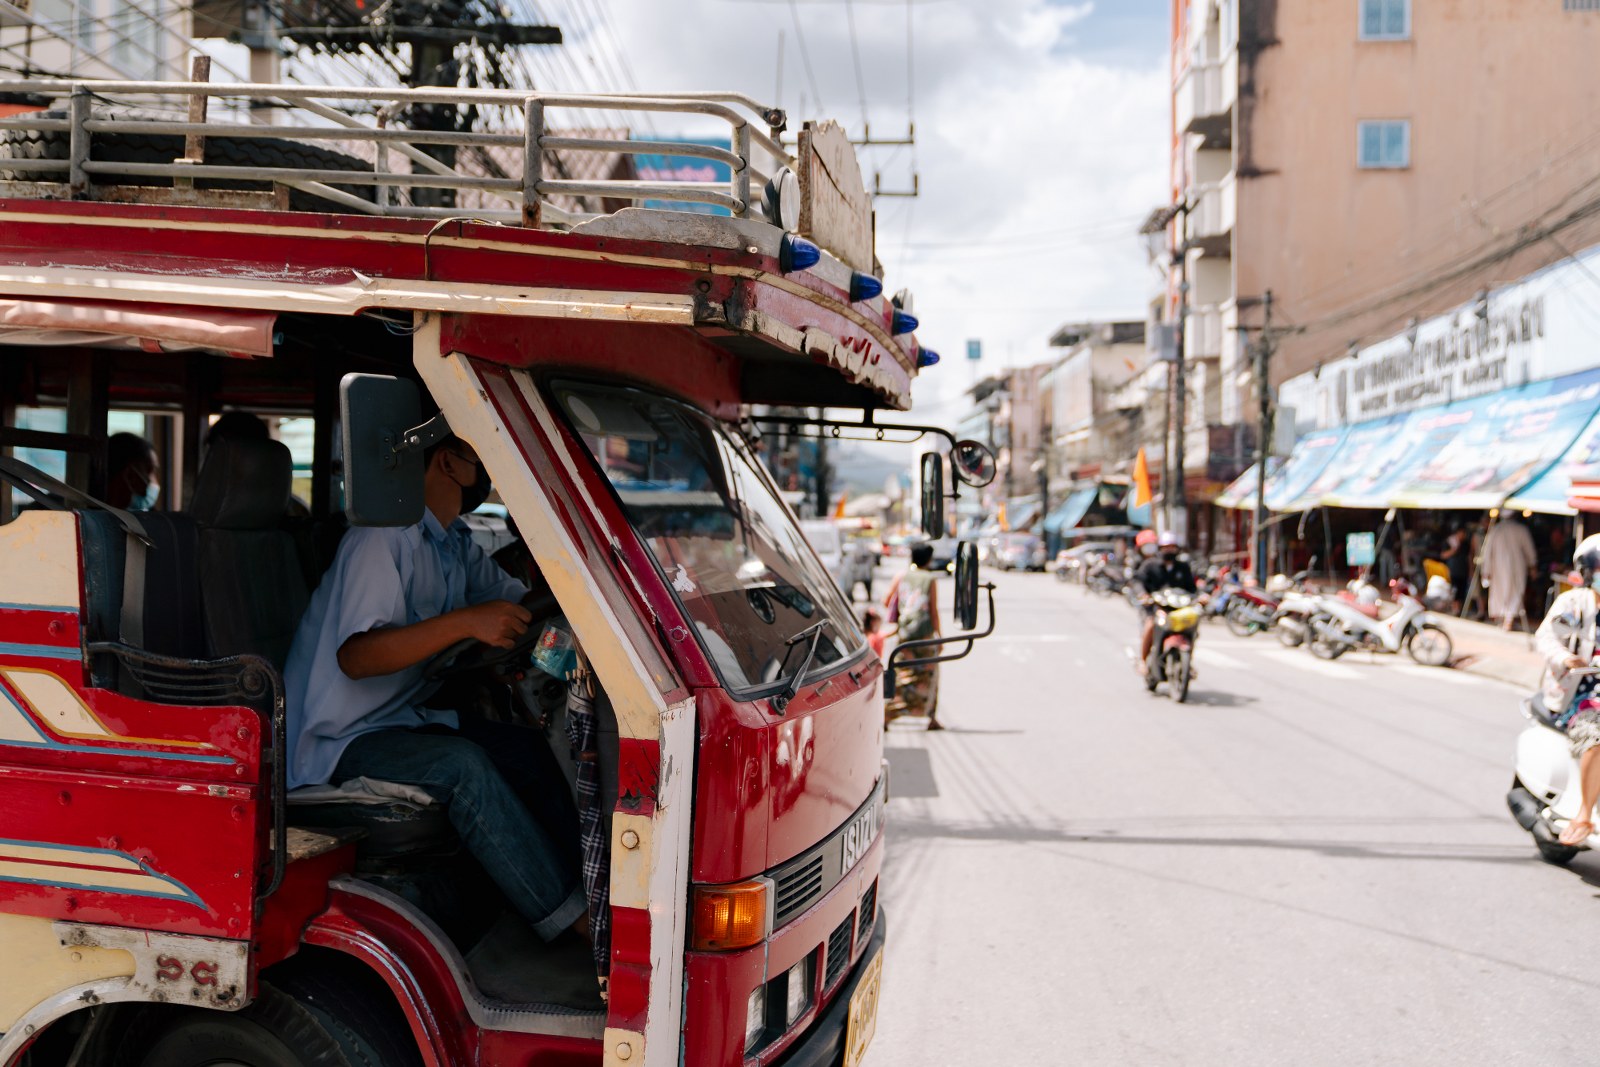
point(1329, 624)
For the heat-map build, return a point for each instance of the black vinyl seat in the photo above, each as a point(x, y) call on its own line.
point(253, 586)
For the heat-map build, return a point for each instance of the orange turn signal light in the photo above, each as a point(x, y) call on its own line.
point(729, 916)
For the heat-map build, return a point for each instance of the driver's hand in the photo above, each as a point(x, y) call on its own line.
point(497, 622)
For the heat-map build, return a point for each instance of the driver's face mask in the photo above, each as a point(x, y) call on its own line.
point(474, 494)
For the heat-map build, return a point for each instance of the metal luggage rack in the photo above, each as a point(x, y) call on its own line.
point(86, 109)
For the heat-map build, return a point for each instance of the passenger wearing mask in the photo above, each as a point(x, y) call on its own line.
point(1566, 639)
point(1162, 571)
point(394, 599)
point(133, 473)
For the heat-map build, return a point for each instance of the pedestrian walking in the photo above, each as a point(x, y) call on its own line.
point(1508, 561)
point(913, 603)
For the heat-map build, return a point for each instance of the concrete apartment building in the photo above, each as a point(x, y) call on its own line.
point(143, 40)
point(1371, 162)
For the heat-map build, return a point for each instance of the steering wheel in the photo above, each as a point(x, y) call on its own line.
point(469, 654)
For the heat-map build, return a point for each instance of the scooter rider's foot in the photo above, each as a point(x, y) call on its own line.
point(1577, 832)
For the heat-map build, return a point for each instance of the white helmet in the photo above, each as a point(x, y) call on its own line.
point(1367, 595)
point(1278, 583)
point(1586, 557)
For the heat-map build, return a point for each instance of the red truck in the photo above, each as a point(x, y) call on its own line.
point(165, 899)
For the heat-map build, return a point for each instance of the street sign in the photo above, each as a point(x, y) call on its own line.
point(974, 350)
point(1360, 549)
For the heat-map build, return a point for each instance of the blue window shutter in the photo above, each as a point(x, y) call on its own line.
point(1394, 147)
point(1371, 18)
point(1371, 145)
point(1395, 18)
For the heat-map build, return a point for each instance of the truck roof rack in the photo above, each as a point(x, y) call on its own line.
point(521, 169)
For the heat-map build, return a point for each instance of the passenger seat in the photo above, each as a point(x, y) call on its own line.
point(252, 587)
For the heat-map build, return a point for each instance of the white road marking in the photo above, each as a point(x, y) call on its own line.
point(1437, 674)
point(1209, 657)
point(1303, 660)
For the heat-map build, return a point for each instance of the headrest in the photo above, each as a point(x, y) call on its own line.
point(243, 485)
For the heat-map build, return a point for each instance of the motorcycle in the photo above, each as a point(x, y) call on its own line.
point(1252, 609)
point(1171, 658)
point(1546, 791)
point(1297, 601)
point(1337, 626)
point(1106, 577)
point(1217, 589)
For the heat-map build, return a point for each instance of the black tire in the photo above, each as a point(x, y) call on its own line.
point(274, 1031)
point(1291, 631)
point(1322, 647)
point(354, 1006)
point(268, 153)
point(1179, 672)
point(1551, 850)
point(1152, 676)
point(1438, 648)
point(1238, 625)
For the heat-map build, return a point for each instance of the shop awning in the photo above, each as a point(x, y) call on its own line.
point(1475, 453)
point(135, 326)
point(1071, 511)
point(1567, 486)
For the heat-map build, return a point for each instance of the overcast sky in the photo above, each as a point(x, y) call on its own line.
point(1040, 143)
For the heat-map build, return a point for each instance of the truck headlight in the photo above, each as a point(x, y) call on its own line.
point(755, 1017)
point(797, 994)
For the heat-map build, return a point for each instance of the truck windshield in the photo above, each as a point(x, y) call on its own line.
point(728, 547)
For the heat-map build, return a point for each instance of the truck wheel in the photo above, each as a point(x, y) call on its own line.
point(354, 1006)
point(274, 1031)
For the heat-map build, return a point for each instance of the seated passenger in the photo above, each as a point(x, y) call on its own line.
point(133, 473)
point(244, 426)
point(394, 599)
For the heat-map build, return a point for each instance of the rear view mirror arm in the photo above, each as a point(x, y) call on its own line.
point(879, 431)
point(895, 659)
point(420, 438)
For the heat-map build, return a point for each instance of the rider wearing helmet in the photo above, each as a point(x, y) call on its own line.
point(1164, 571)
point(1566, 638)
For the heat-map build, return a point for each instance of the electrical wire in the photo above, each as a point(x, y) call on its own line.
point(805, 57)
point(855, 55)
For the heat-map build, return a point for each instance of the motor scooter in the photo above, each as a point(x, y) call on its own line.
point(1295, 606)
point(1337, 626)
point(1546, 792)
point(1105, 576)
point(1253, 610)
point(1171, 658)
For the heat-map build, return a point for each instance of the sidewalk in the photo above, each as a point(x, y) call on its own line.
point(1493, 653)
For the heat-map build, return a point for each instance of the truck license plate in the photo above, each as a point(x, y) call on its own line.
point(858, 837)
point(863, 1020)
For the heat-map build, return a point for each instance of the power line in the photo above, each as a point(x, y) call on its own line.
point(855, 55)
point(805, 57)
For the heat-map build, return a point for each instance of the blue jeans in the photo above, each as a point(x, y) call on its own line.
point(477, 773)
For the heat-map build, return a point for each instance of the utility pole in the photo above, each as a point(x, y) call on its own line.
point(1258, 562)
point(1177, 496)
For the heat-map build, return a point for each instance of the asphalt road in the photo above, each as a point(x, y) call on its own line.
point(1307, 863)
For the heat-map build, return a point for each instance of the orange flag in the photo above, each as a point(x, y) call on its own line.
point(1005, 524)
point(838, 512)
point(1141, 481)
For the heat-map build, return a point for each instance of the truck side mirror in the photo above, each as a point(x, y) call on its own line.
point(966, 600)
point(383, 447)
point(933, 494)
point(973, 463)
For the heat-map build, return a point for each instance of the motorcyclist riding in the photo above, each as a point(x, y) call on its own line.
point(1566, 638)
point(1163, 571)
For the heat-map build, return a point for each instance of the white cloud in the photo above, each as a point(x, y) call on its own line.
point(1036, 162)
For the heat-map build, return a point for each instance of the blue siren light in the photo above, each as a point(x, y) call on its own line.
point(926, 357)
point(903, 323)
point(864, 287)
point(797, 253)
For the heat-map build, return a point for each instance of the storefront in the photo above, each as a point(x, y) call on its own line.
point(1491, 409)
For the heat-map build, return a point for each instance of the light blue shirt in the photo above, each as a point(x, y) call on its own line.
point(382, 576)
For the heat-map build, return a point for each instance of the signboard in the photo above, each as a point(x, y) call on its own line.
point(1538, 328)
point(974, 350)
point(664, 168)
point(1360, 549)
point(835, 210)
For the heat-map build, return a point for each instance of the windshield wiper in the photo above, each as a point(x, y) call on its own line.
point(780, 702)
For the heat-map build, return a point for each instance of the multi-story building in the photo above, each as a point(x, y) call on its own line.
point(1091, 433)
point(1368, 162)
point(145, 40)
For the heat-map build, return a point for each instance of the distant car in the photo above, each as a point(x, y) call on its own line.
point(1018, 552)
point(851, 564)
point(944, 553)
